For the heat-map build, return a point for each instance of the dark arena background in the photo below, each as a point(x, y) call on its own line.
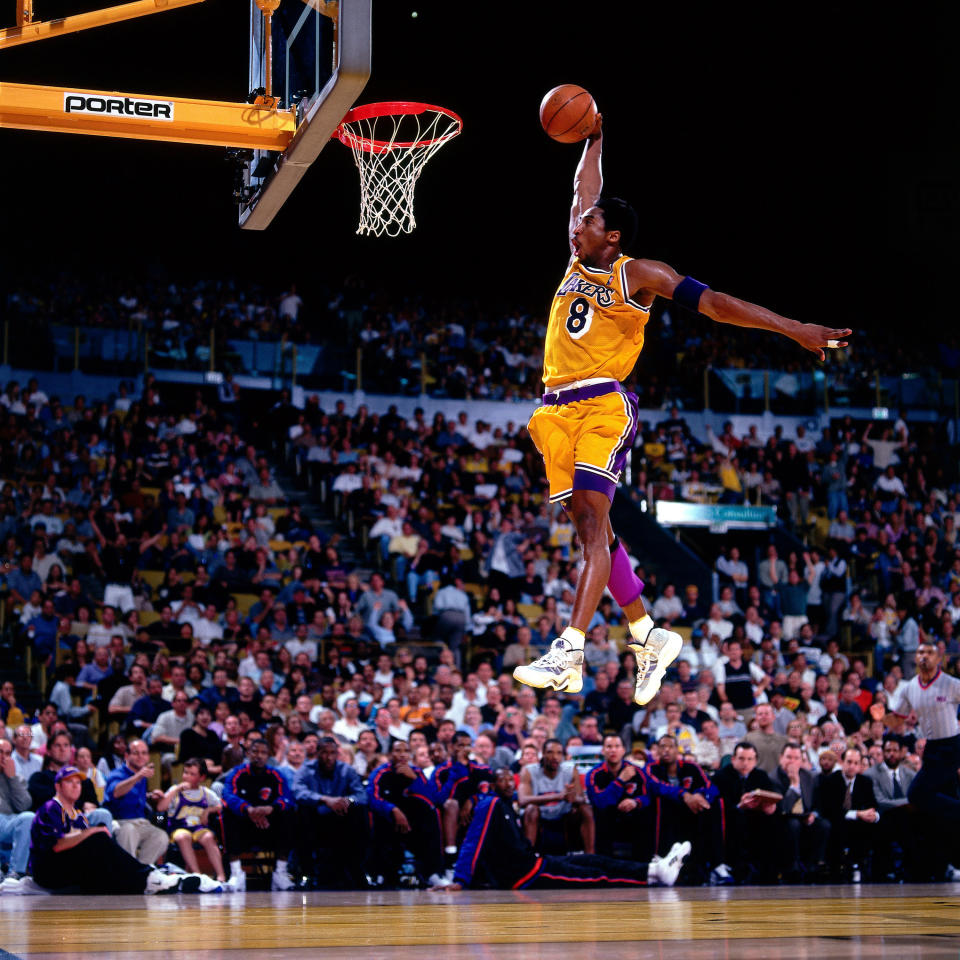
point(268, 500)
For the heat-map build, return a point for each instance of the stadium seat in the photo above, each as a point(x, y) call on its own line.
point(153, 577)
point(244, 602)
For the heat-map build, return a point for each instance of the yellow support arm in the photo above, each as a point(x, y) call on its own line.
point(29, 29)
point(142, 117)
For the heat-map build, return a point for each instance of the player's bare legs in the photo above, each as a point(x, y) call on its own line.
point(562, 666)
point(590, 512)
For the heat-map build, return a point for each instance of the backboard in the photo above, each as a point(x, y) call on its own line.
point(321, 52)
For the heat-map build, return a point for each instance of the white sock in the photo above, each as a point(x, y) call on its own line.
point(281, 866)
point(235, 868)
point(449, 849)
point(640, 628)
point(574, 637)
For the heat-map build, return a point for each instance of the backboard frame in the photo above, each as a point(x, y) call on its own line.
point(321, 115)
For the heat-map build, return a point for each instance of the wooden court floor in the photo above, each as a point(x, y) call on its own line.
point(746, 923)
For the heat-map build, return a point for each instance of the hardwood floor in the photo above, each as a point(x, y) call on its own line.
point(744, 923)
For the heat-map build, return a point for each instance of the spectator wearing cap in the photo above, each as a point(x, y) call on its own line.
point(332, 835)
point(67, 852)
point(59, 752)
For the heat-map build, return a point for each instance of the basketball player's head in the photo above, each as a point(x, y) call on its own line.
point(603, 230)
point(503, 784)
point(619, 216)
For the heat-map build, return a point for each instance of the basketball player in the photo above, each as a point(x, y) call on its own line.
point(587, 422)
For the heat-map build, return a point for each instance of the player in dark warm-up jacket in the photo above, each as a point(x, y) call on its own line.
point(405, 807)
point(496, 853)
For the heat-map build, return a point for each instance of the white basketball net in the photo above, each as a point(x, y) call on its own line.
point(390, 152)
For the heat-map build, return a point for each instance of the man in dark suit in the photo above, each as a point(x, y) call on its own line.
point(751, 823)
point(806, 831)
point(891, 780)
point(847, 801)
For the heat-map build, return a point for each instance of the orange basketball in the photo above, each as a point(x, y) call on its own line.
point(568, 113)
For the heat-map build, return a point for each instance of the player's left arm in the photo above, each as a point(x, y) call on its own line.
point(650, 277)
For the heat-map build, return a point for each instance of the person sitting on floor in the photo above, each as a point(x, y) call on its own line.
point(496, 853)
point(67, 854)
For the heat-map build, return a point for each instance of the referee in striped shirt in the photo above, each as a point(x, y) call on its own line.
point(933, 696)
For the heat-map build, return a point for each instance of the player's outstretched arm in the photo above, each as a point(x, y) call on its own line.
point(588, 180)
point(653, 277)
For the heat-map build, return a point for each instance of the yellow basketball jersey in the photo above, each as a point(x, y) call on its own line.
point(594, 329)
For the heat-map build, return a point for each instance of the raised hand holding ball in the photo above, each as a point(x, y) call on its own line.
point(568, 113)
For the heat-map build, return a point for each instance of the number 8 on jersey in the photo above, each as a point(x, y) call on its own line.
point(579, 318)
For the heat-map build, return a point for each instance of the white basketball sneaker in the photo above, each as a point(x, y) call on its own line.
point(160, 882)
point(666, 869)
point(281, 879)
point(654, 654)
point(561, 668)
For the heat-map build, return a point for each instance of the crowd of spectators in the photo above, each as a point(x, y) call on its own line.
point(278, 672)
point(472, 350)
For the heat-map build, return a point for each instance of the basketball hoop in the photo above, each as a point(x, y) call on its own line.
point(391, 144)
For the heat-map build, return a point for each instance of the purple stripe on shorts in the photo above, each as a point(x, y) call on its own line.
point(587, 480)
point(626, 444)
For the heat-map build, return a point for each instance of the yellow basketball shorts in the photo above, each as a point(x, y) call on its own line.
point(584, 442)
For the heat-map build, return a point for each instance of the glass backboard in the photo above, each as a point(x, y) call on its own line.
point(321, 52)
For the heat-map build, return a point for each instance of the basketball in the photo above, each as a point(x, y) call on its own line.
point(568, 113)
